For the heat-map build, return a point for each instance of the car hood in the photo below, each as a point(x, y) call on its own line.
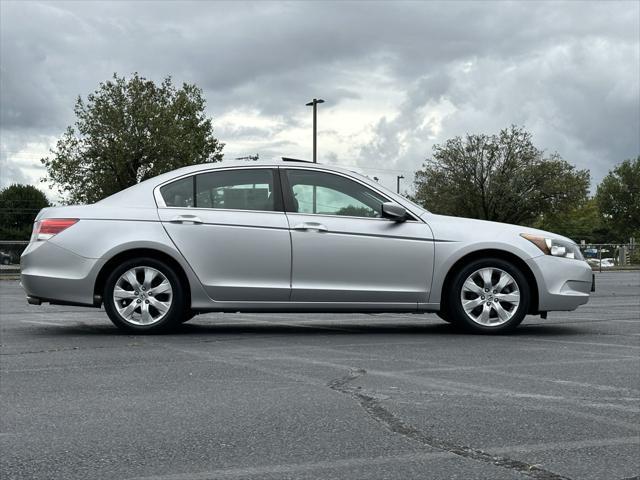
point(448, 228)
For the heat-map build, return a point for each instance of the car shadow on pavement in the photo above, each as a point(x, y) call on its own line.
point(229, 327)
point(346, 329)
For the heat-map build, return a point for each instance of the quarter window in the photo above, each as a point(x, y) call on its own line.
point(178, 193)
point(328, 194)
point(242, 189)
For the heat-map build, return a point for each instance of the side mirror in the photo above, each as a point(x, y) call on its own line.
point(394, 212)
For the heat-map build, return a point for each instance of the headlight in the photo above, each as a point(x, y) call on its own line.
point(552, 246)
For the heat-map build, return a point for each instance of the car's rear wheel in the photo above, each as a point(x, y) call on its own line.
point(144, 295)
point(188, 315)
point(489, 296)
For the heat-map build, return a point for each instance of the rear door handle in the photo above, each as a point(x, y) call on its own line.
point(186, 219)
point(311, 226)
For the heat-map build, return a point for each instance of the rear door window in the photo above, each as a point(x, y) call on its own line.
point(241, 189)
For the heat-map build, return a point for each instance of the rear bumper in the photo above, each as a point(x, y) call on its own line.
point(52, 274)
point(563, 283)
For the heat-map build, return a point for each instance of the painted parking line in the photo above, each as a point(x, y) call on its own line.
point(39, 322)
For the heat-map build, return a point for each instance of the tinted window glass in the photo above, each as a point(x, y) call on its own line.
point(178, 193)
point(250, 189)
point(325, 193)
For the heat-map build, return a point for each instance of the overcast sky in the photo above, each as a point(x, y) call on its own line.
point(397, 77)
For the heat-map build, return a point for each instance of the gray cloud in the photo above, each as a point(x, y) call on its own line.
point(423, 72)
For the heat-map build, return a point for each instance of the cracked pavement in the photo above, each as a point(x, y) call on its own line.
point(322, 396)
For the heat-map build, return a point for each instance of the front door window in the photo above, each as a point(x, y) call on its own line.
point(323, 193)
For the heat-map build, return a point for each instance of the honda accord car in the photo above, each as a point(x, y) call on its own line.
point(291, 236)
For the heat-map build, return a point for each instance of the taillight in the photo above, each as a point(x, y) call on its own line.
point(47, 228)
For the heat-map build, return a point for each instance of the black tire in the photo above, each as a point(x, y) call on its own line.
point(445, 316)
point(174, 315)
point(188, 315)
point(454, 302)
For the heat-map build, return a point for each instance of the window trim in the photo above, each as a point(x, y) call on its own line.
point(278, 205)
point(288, 195)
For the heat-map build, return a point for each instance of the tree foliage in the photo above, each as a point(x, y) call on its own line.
point(583, 222)
point(618, 197)
point(501, 177)
point(19, 205)
point(128, 131)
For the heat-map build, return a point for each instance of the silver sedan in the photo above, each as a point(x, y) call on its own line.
point(285, 236)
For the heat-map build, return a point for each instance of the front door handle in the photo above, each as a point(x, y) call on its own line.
point(318, 227)
point(186, 219)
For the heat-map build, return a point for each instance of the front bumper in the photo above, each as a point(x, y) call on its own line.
point(563, 283)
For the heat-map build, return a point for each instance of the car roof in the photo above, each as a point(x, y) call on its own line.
point(284, 161)
point(277, 162)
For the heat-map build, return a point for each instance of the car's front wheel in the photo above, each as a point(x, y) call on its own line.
point(489, 295)
point(444, 315)
point(144, 295)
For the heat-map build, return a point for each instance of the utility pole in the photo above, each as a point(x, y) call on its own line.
point(398, 182)
point(314, 103)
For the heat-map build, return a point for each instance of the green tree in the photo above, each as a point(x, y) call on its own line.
point(19, 205)
point(501, 177)
point(583, 222)
point(618, 197)
point(128, 131)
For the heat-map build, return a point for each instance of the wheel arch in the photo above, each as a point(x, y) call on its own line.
point(493, 253)
point(129, 254)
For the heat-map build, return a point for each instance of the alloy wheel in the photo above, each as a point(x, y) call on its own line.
point(142, 296)
point(490, 296)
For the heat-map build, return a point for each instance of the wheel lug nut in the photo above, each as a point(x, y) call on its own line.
point(146, 301)
point(482, 297)
point(138, 301)
point(136, 292)
point(143, 288)
point(486, 289)
point(495, 291)
point(489, 303)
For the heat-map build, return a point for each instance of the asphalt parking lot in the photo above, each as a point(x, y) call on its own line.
point(238, 396)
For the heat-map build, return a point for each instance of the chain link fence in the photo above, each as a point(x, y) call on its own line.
point(611, 256)
point(10, 251)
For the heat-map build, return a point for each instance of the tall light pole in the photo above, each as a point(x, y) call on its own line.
point(314, 103)
point(398, 180)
